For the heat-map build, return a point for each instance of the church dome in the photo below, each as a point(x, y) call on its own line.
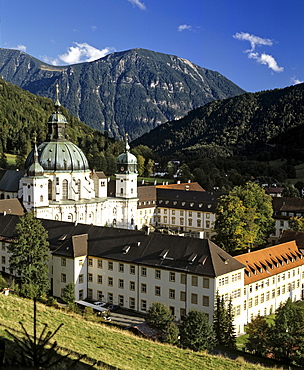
point(57, 153)
point(59, 156)
point(126, 158)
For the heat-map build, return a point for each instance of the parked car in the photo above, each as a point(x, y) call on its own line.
point(113, 307)
point(100, 304)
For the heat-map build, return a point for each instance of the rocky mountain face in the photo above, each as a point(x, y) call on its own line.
point(126, 92)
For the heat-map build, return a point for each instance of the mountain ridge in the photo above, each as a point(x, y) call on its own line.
point(130, 91)
point(235, 125)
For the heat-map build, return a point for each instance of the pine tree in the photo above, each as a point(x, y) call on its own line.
point(196, 333)
point(30, 254)
point(230, 336)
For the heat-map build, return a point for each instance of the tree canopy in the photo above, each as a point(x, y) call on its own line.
point(196, 332)
point(30, 255)
point(243, 218)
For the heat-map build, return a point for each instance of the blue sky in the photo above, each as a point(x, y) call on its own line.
point(256, 44)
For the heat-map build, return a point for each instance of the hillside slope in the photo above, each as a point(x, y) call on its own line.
point(238, 125)
point(109, 345)
point(126, 92)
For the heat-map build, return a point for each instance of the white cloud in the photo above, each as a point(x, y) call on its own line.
point(254, 40)
point(262, 58)
point(296, 81)
point(138, 3)
point(79, 53)
point(267, 60)
point(18, 47)
point(93, 28)
point(183, 27)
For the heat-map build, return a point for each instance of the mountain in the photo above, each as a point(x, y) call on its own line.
point(24, 115)
point(126, 92)
point(240, 125)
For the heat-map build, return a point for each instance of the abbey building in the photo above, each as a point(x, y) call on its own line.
point(59, 185)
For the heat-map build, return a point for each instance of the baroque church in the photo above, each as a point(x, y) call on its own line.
point(59, 185)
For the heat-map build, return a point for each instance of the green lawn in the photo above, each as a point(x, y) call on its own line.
point(110, 345)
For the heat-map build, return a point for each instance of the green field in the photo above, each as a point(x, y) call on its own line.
point(106, 343)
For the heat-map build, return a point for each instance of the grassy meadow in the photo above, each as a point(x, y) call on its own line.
point(111, 345)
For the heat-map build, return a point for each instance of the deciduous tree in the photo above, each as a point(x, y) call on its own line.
point(243, 218)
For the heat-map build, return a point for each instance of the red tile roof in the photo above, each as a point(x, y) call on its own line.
point(270, 261)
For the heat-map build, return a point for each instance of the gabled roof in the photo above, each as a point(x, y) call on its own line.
point(270, 261)
point(289, 235)
point(11, 206)
point(10, 180)
point(198, 256)
point(146, 194)
point(285, 204)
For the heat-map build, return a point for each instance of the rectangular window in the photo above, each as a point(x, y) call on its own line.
point(143, 271)
point(132, 270)
point(81, 279)
point(172, 276)
point(63, 278)
point(181, 221)
point(143, 305)
point(256, 300)
point(132, 303)
point(182, 313)
point(80, 294)
point(110, 297)
point(267, 295)
point(99, 279)
point(121, 267)
point(3, 260)
point(181, 213)
point(157, 291)
point(283, 289)
point(99, 295)
point(206, 283)
point(110, 281)
point(223, 281)
point(173, 220)
point(157, 274)
point(198, 223)
point(144, 288)
point(99, 265)
point(132, 285)
point(236, 294)
point(183, 278)
point(63, 262)
point(273, 293)
point(121, 283)
point(90, 262)
point(110, 266)
point(190, 222)
point(262, 298)
point(250, 303)
point(121, 300)
point(90, 278)
point(236, 277)
point(3, 246)
point(193, 298)
point(194, 280)
point(206, 300)
point(183, 296)
point(278, 291)
point(171, 293)
point(90, 293)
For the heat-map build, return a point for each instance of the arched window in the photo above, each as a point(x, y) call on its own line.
point(70, 217)
point(2, 196)
point(8, 197)
point(50, 190)
point(41, 198)
point(121, 191)
point(29, 199)
point(114, 221)
point(65, 189)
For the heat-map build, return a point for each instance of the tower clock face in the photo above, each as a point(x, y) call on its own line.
point(132, 168)
point(122, 168)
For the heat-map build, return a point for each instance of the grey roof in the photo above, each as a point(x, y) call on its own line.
point(10, 180)
point(183, 199)
point(198, 256)
point(286, 204)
